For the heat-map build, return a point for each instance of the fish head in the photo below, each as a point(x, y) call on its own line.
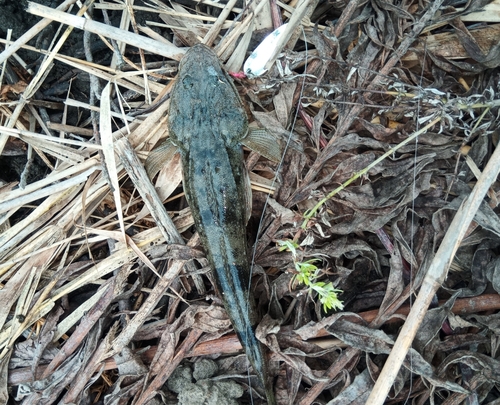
point(204, 96)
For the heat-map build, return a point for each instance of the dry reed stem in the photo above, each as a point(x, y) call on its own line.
point(217, 25)
point(159, 48)
point(294, 23)
point(105, 129)
point(128, 80)
point(31, 33)
point(37, 81)
point(434, 278)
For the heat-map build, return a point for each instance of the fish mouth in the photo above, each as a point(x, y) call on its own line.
point(198, 57)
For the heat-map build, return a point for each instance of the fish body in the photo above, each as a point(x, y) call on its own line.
point(207, 122)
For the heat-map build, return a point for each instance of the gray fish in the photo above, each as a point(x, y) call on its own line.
point(207, 123)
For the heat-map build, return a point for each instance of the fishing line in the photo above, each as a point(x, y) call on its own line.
point(412, 221)
point(278, 168)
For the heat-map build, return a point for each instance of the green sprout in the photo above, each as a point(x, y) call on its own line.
point(309, 214)
point(289, 245)
point(308, 273)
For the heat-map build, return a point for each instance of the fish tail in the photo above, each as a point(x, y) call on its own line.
point(254, 349)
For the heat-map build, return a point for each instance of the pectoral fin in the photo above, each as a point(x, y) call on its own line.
point(159, 157)
point(262, 142)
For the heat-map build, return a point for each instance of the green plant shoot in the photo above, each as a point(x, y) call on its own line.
point(308, 273)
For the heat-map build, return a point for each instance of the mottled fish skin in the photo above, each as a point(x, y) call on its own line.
point(207, 121)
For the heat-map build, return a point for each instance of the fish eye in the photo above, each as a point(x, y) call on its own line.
point(188, 82)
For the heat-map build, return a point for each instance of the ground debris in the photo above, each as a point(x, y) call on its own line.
point(387, 116)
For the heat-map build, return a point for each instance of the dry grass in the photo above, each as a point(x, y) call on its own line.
point(390, 118)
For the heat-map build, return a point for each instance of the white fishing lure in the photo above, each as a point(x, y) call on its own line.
point(254, 65)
